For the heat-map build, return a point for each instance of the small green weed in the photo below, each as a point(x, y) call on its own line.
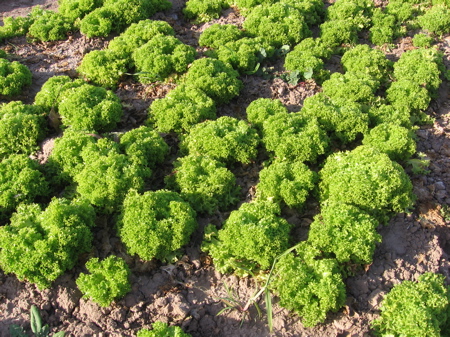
point(38, 329)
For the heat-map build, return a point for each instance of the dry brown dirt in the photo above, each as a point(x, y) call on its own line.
point(187, 293)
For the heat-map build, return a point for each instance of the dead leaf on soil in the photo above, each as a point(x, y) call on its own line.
point(430, 215)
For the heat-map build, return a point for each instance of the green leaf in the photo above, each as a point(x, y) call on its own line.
point(308, 74)
point(16, 331)
point(269, 309)
point(59, 334)
point(36, 320)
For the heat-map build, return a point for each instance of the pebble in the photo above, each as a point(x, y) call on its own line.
point(422, 134)
point(441, 194)
point(376, 297)
point(439, 185)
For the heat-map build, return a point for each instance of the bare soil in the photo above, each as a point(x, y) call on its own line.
point(187, 293)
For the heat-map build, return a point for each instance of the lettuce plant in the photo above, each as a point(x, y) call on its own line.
point(49, 26)
point(403, 10)
point(52, 91)
point(160, 57)
point(422, 40)
point(116, 15)
point(155, 224)
point(386, 113)
point(218, 35)
point(316, 46)
point(309, 286)
point(341, 119)
point(337, 32)
point(205, 183)
point(160, 329)
point(136, 35)
point(292, 136)
point(307, 65)
point(436, 20)
point(384, 27)
point(14, 76)
point(307, 58)
point(181, 109)
point(107, 281)
point(204, 10)
point(76, 9)
point(344, 232)
point(90, 108)
point(99, 22)
point(394, 140)
point(367, 179)
point(286, 181)
point(216, 79)
point(262, 108)
point(280, 24)
point(249, 240)
point(103, 67)
point(132, 11)
point(246, 54)
point(245, 6)
point(144, 146)
point(422, 66)
point(66, 153)
point(415, 308)
point(21, 128)
point(225, 139)
point(408, 95)
point(365, 61)
point(21, 180)
point(312, 10)
point(14, 27)
point(358, 12)
point(107, 175)
point(39, 246)
point(353, 87)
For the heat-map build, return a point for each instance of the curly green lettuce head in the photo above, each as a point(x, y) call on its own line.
point(308, 285)
point(226, 139)
point(344, 232)
point(181, 109)
point(368, 179)
point(57, 235)
point(218, 35)
point(107, 281)
point(415, 308)
point(205, 183)
point(14, 76)
point(292, 136)
point(280, 24)
point(155, 224)
point(21, 180)
point(163, 55)
point(250, 238)
point(286, 181)
point(90, 108)
point(215, 78)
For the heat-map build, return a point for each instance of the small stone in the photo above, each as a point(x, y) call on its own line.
point(441, 194)
point(439, 185)
point(422, 134)
point(376, 297)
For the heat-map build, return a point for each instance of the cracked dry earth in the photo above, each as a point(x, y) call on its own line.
point(187, 293)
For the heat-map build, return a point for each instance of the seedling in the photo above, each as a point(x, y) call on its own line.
point(38, 329)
